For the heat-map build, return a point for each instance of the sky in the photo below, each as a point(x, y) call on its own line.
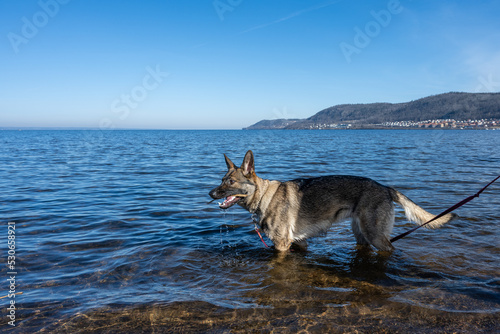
point(226, 64)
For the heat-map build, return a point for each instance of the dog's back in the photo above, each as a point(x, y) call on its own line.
point(325, 200)
point(290, 212)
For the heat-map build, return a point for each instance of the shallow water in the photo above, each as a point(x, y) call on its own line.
point(114, 234)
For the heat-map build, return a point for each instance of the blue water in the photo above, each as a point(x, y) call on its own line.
point(114, 233)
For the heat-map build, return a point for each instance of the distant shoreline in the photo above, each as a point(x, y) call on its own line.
point(449, 110)
point(246, 129)
point(381, 128)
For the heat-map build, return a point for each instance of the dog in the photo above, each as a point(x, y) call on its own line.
point(293, 211)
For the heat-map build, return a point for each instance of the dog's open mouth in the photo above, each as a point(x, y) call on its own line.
point(229, 201)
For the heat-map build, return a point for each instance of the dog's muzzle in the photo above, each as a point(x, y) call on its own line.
point(215, 193)
point(229, 200)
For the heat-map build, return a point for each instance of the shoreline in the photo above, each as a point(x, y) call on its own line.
point(381, 128)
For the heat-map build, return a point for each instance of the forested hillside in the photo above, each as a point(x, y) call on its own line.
point(457, 106)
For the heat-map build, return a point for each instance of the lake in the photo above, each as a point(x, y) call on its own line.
point(113, 233)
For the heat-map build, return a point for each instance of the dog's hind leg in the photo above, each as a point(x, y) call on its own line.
point(376, 226)
point(382, 243)
point(356, 229)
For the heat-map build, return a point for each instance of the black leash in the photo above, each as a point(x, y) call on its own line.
point(454, 207)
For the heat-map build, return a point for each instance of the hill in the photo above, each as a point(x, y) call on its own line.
point(274, 124)
point(448, 106)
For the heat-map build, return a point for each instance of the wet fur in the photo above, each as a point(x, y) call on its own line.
point(293, 211)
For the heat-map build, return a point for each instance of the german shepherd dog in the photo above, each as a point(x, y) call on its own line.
point(290, 212)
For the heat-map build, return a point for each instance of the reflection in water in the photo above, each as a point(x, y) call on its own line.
point(296, 292)
point(115, 234)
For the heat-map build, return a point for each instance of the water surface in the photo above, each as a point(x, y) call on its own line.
point(114, 234)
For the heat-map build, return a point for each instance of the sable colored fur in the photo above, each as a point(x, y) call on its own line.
point(290, 212)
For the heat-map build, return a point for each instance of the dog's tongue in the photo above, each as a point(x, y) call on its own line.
point(229, 202)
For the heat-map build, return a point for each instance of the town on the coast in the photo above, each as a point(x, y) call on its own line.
point(447, 124)
point(452, 110)
point(472, 124)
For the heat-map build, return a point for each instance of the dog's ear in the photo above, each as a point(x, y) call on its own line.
point(229, 163)
point(248, 165)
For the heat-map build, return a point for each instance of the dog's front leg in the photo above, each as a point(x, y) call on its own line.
point(282, 240)
point(282, 245)
point(300, 245)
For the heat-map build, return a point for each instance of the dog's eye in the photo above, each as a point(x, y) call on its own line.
point(231, 181)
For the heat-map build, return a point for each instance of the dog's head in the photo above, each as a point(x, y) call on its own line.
point(237, 184)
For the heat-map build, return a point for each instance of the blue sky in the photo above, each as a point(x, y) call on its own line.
point(230, 63)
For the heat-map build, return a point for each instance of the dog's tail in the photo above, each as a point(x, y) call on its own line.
point(417, 214)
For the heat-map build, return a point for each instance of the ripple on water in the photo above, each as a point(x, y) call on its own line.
point(115, 234)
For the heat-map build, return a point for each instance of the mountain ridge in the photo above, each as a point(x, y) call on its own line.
point(451, 106)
